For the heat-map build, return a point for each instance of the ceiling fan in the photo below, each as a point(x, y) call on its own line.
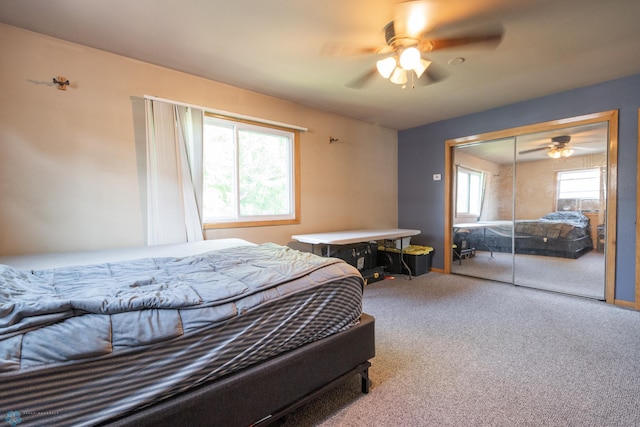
point(408, 37)
point(557, 149)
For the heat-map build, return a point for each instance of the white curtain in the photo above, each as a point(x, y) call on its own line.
point(174, 173)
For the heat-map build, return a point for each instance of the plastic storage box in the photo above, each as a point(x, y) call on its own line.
point(417, 258)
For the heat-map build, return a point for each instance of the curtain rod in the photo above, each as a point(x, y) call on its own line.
point(228, 114)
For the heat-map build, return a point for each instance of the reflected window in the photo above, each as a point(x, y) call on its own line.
point(579, 190)
point(469, 194)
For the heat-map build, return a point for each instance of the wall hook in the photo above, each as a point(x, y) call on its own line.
point(62, 82)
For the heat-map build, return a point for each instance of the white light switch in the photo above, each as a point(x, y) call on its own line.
point(437, 177)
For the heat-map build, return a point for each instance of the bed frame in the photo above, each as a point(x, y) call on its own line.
point(257, 395)
point(557, 234)
point(266, 392)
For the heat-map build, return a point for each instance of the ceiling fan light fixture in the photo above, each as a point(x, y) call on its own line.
point(554, 153)
point(417, 20)
point(399, 76)
point(410, 58)
point(422, 67)
point(386, 66)
point(411, 18)
point(558, 152)
point(566, 152)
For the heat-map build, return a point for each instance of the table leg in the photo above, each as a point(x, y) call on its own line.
point(404, 264)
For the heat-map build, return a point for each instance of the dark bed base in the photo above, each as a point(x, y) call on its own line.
point(266, 392)
point(534, 246)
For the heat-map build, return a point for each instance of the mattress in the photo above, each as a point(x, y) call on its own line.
point(557, 234)
point(153, 350)
point(55, 260)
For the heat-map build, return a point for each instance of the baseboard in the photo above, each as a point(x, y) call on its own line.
point(625, 304)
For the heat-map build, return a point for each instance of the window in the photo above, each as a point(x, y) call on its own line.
point(469, 194)
point(249, 174)
point(579, 189)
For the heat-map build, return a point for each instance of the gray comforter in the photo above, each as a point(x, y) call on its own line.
point(76, 313)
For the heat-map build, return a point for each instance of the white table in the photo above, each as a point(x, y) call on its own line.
point(357, 236)
point(354, 236)
point(484, 225)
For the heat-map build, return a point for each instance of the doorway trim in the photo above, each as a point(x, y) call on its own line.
point(637, 302)
point(611, 117)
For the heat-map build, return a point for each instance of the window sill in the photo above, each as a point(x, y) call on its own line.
point(242, 224)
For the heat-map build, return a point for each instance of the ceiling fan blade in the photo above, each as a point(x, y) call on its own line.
point(436, 73)
point(347, 49)
point(363, 80)
point(534, 150)
point(580, 148)
point(433, 74)
point(488, 41)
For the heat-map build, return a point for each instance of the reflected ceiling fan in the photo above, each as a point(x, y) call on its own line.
point(557, 149)
point(408, 37)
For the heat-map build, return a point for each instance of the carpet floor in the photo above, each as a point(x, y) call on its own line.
point(457, 351)
point(584, 276)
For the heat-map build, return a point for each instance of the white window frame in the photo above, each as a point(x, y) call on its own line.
point(469, 172)
point(594, 194)
point(238, 220)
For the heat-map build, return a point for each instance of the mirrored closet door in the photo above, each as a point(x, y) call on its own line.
point(531, 209)
point(483, 210)
point(560, 204)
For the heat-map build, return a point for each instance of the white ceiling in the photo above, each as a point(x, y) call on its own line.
point(276, 47)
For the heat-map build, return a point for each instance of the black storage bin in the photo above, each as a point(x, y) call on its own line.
point(461, 247)
point(417, 258)
point(372, 275)
point(362, 256)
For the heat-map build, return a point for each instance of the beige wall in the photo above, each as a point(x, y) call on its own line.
point(72, 162)
point(535, 184)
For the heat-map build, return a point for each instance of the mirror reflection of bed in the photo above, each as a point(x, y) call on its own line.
point(531, 211)
point(570, 264)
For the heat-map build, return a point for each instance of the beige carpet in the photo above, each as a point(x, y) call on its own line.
point(583, 276)
point(457, 351)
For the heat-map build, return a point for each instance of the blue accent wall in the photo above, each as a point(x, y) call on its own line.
point(421, 154)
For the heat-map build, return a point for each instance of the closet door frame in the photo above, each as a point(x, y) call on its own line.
point(637, 301)
point(611, 117)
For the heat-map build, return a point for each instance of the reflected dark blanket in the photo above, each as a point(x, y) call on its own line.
point(560, 234)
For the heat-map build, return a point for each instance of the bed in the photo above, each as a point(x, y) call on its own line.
point(563, 234)
point(142, 337)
